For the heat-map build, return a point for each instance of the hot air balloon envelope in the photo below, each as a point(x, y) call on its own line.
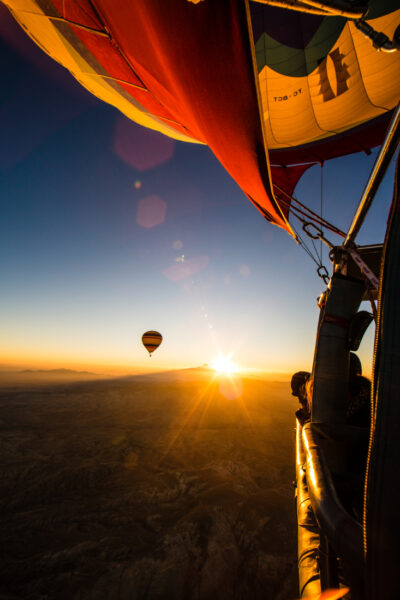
point(273, 88)
point(151, 340)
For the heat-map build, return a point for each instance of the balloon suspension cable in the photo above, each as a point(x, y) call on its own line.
point(321, 200)
point(288, 201)
point(327, 8)
point(315, 233)
point(312, 224)
point(316, 258)
point(303, 245)
point(295, 6)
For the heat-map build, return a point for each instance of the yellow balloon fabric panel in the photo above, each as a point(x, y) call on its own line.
point(352, 84)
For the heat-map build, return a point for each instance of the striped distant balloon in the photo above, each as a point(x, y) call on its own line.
point(151, 340)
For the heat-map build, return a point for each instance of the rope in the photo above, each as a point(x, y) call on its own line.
point(308, 217)
point(319, 254)
point(321, 198)
point(294, 210)
point(321, 269)
point(304, 210)
point(305, 247)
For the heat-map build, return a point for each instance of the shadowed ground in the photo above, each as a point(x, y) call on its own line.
point(152, 487)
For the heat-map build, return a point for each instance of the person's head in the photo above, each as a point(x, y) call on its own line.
point(298, 380)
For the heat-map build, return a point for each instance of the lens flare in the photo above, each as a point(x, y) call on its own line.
point(151, 211)
point(224, 366)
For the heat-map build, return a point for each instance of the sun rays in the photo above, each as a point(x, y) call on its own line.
point(223, 365)
point(224, 384)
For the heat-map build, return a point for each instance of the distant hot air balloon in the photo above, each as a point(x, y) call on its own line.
point(151, 340)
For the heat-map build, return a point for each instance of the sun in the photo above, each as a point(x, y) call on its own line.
point(224, 366)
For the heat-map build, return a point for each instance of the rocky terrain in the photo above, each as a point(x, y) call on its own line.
point(169, 487)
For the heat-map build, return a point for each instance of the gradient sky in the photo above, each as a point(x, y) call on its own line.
point(108, 229)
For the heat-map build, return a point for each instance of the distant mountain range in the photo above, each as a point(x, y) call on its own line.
point(57, 371)
point(34, 377)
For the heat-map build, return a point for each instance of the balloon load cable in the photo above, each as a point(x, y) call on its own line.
point(306, 216)
point(305, 211)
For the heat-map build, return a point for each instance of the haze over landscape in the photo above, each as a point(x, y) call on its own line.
point(172, 485)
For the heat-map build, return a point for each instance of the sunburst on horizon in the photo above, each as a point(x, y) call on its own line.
point(223, 365)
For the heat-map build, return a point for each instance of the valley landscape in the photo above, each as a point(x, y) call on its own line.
point(169, 486)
